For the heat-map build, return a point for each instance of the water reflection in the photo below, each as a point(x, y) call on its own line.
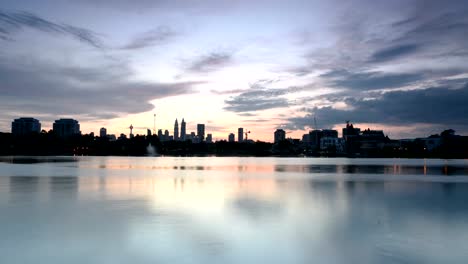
point(309, 166)
point(127, 213)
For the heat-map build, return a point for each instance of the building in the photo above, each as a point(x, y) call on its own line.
point(201, 132)
point(349, 131)
point(103, 132)
point(372, 141)
point(333, 144)
point(148, 132)
point(314, 138)
point(329, 133)
point(209, 138)
point(280, 135)
point(231, 137)
point(160, 135)
point(176, 130)
point(25, 126)
point(122, 136)
point(183, 130)
point(166, 135)
point(240, 134)
point(193, 137)
point(66, 127)
point(432, 142)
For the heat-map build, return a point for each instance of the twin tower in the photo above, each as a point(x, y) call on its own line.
point(183, 132)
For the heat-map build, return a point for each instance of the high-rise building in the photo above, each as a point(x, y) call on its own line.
point(193, 137)
point(280, 135)
point(176, 130)
point(314, 138)
point(232, 137)
point(160, 135)
point(25, 126)
point(201, 132)
point(166, 135)
point(183, 130)
point(66, 127)
point(103, 132)
point(240, 134)
point(209, 138)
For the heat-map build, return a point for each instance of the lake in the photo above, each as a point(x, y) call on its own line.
point(232, 210)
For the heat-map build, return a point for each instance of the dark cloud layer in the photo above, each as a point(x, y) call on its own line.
point(438, 105)
point(373, 80)
point(394, 52)
point(10, 22)
point(428, 42)
point(259, 97)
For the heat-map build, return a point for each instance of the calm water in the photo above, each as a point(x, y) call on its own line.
point(233, 210)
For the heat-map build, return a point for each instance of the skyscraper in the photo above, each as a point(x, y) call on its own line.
point(209, 138)
point(25, 125)
point(232, 137)
point(182, 130)
point(66, 127)
point(176, 130)
point(103, 132)
point(201, 132)
point(240, 134)
point(280, 135)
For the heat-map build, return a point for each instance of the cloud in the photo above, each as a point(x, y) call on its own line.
point(153, 37)
point(233, 91)
point(394, 52)
point(372, 80)
point(436, 105)
point(11, 22)
point(246, 104)
point(259, 97)
point(94, 92)
point(210, 62)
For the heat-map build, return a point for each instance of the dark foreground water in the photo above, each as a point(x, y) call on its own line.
point(233, 210)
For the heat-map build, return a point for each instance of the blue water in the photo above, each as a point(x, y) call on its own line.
point(232, 210)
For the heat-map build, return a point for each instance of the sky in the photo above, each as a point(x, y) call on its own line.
point(400, 65)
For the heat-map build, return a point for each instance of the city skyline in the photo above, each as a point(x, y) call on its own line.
point(396, 66)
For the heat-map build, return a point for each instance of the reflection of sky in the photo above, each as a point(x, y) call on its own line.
point(118, 215)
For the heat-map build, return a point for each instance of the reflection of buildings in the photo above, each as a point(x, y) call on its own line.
point(63, 188)
point(66, 127)
point(25, 126)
